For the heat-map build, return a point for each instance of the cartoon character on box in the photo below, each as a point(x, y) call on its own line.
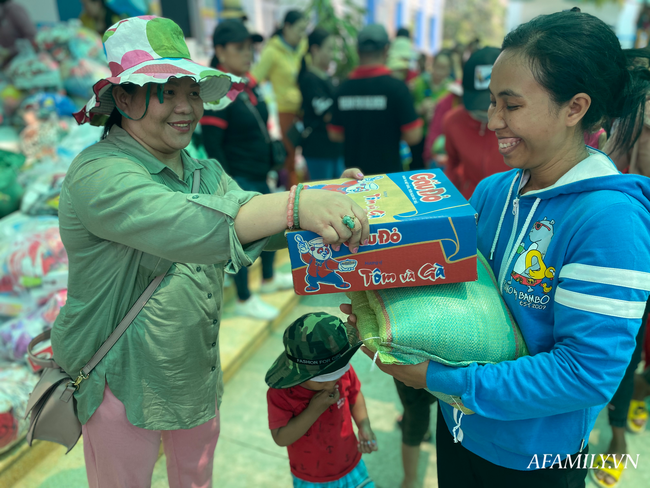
point(352, 186)
point(321, 267)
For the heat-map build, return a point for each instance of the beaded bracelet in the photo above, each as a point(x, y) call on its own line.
point(296, 214)
point(290, 206)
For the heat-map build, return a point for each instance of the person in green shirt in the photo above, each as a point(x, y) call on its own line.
point(128, 214)
point(427, 89)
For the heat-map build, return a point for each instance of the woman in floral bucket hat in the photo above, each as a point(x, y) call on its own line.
point(128, 213)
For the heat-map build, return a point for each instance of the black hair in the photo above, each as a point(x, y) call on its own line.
point(316, 38)
point(116, 117)
point(572, 52)
point(214, 62)
point(403, 32)
point(290, 18)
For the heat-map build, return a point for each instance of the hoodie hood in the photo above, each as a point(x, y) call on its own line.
point(276, 42)
point(596, 172)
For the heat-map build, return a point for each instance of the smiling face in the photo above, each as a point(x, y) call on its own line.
point(321, 253)
point(532, 130)
point(236, 57)
point(168, 127)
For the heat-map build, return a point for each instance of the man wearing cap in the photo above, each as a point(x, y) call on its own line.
point(472, 149)
point(374, 110)
point(314, 394)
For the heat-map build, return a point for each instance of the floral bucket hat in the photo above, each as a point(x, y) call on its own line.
point(152, 49)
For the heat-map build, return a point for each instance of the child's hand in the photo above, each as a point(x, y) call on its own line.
point(367, 439)
point(324, 399)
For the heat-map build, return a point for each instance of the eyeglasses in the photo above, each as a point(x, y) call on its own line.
point(539, 225)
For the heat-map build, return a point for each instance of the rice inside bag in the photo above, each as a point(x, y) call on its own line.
point(455, 324)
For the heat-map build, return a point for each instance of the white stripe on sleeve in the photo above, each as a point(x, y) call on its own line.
point(627, 278)
point(605, 306)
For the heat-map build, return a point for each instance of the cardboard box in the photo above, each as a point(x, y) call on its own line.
point(422, 232)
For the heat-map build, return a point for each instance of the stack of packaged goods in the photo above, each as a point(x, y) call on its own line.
point(39, 90)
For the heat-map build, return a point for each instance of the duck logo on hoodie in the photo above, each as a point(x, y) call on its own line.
point(530, 269)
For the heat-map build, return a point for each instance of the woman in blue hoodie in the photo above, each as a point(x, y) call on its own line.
point(567, 236)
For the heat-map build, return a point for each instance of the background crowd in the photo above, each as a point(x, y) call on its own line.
point(397, 110)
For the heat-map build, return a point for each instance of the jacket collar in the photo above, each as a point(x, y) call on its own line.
point(130, 146)
point(370, 71)
point(251, 81)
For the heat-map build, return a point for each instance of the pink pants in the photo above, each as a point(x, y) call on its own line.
point(120, 455)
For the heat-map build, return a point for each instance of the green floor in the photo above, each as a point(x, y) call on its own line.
point(247, 457)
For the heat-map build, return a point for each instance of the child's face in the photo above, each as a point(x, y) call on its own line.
point(316, 386)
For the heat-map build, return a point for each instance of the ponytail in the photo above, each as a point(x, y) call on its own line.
point(628, 106)
point(214, 62)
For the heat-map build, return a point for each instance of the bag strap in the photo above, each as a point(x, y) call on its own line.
point(121, 327)
point(258, 117)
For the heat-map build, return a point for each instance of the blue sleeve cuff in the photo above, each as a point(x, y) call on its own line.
point(446, 379)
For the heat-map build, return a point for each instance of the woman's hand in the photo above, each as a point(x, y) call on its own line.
point(353, 174)
point(322, 212)
point(346, 308)
point(414, 375)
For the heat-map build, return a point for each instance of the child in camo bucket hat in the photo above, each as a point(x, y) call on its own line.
point(150, 49)
point(314, 396)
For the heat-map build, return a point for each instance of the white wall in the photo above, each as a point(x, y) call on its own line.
point(621, 17)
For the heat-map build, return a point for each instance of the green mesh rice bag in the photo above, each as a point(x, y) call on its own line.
point(454, 324)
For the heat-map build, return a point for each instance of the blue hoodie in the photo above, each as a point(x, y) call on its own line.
point(573, 263)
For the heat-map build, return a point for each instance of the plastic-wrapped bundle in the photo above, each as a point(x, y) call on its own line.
point(10, 189)
point(16, 383)
point(16, 334)
point(454, 324)
point(79, 76)
point(33, 262)
point(42, 196)
point(70, 40)
point(31, 71)
point(45, 103)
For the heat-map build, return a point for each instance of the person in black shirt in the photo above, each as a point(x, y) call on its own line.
point(324, 157)
point(238, 138)
point(373, 110)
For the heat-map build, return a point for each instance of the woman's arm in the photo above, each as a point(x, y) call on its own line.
point(261, 70)
point(597, 314)
point(321, 211)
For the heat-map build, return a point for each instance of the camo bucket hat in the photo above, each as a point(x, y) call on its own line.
point(316, 344)
point(150, 49)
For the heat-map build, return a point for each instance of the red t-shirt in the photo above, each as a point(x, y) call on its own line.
point(328, 451)
point(472, 150)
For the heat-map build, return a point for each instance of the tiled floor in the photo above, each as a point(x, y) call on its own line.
point(247, 457)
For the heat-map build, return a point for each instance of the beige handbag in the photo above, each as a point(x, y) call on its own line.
point(52, 404)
